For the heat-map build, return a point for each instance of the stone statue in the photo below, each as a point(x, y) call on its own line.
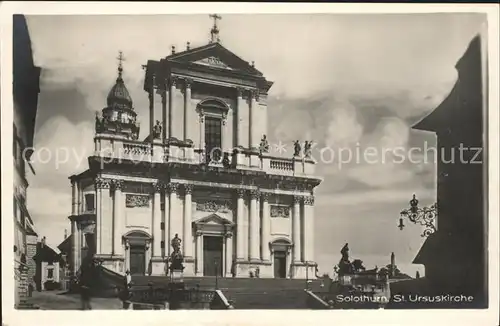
point(176, 243)
point(345, 266)
point(296, 147)
point(176, 257)
point(264, 145)
point(157, 130)
point(345, 252)
point(98, 122)
point(307, 148)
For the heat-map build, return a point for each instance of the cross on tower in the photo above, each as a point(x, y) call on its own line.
point(120, 58)
point(215, 30)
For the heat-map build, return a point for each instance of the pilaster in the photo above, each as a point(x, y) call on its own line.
point(188, 234)
point(266, 227)
point(117, 217)
point(156, 223)
point(229, 253)
point(309, 229)
point(296, 230)
point(176, 224)
point(240, 234)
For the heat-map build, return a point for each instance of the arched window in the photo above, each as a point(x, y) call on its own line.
point(214, 112)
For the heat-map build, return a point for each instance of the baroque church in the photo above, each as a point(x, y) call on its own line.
point(203, 175)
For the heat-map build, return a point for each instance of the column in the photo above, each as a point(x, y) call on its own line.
point(254, 226)
point(188, 234)
point(127, 255)
point(99, 185)
point(240, 236)
point(253, 114)
point(296, 229)
point(74, 230)
point(266, 229)
point(309, 228)
point(74, 246)
point(80, 198)
point(166, 224)
point(229, 253)
point(164, 94)
point(151, 96)
point(171, 109)
point(156, 223)
point(202, 131)
point(74, 198)
point(225, 144)
point(187, 109)
point(175, 223)
point(199, 253)
point(240, 117)
point(79, 245)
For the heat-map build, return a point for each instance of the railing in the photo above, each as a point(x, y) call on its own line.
point(108, 146)
point(281, 165)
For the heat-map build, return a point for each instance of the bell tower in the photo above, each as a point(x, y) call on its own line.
point(118, 117)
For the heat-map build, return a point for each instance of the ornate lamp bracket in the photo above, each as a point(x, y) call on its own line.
point(425, 216)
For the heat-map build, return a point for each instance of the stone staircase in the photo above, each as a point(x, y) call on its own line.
point(248, 293)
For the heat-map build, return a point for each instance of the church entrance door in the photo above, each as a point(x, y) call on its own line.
point(137, 260)
point(212, 256)
point(280, 264)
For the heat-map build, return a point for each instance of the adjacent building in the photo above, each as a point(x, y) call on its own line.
point(203, 175)
point(25, 95)
point(455, 256)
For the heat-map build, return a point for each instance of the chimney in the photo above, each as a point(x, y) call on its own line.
point(173, 49)
point(65, 234)
point(43, 241)
point(253, 63)
point(188, 45)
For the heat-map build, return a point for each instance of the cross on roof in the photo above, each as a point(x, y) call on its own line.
point(215, 30)
point(120, 58)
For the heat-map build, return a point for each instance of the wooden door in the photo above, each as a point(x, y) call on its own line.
point(280, 264)
point(137, 260)
point(212, 256)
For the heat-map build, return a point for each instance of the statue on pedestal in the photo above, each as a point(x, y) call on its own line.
point(345, 266)
point(98, 122)
point(176, 257)
point(157, 130)
point(296, 148)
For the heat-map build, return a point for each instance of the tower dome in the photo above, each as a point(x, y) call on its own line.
point(118, 96)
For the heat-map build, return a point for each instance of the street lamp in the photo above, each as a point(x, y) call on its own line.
point(425, 216)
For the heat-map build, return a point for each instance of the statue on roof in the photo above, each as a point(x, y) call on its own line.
point(157, 130)
point(264, 145)
point(308, 148)
point(296, 148)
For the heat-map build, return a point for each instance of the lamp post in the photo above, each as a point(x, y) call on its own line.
point(425, 216)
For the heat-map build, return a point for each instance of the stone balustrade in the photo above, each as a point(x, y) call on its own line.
point(112, 147)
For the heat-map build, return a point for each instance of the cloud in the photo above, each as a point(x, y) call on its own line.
point(376, 196)
point(62, 148)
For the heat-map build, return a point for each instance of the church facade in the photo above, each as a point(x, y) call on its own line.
point(204, 174)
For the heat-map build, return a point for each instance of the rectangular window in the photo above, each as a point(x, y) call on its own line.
point(89, 203)
point(162, 244)
point(213, 138)
point(162, 226)
point(50, 273)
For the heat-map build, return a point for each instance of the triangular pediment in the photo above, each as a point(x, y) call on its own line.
point(216, 56)
point(214, 219)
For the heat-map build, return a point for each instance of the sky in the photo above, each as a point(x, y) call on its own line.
point(346, 81)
